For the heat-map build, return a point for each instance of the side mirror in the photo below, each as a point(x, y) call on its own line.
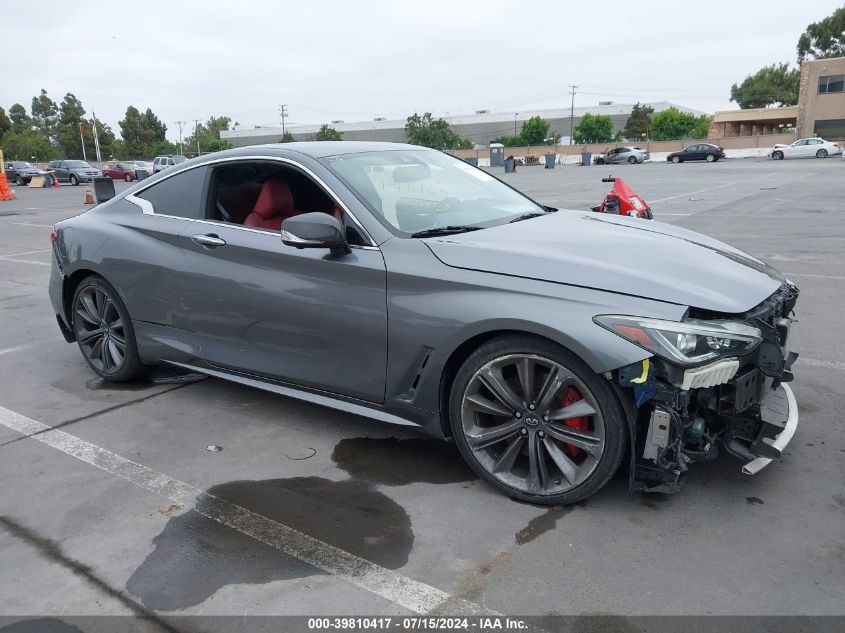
point(315, 230)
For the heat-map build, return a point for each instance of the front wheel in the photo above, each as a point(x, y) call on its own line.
point(19, 181)
point(676, 159)
point(777, 155)
point(104, 331)
point(822, 153)
point(74, 180)
point(535, 421)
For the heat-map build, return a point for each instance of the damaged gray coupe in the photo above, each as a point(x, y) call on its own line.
point(407, 286)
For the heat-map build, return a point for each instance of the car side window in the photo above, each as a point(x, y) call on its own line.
point(180, 195)
point(624, 150)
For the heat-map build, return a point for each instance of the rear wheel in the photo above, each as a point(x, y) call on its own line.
point(127, 178)
point(711, 158)
point(632, 160)
point(104, 331)
point(822, 153)
point(676, 159)
point(535, 421)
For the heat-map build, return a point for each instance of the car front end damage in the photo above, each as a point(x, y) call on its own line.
point(714, 380)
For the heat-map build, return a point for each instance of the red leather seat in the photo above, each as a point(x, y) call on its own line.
point(274, 205)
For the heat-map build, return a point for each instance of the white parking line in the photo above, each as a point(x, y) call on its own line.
point(824, 364)
point(44, 226)
point(400, 590)
point(25, 261)
point(42, 250)
point(18, 348)
point(816, 275)
point(722, 186)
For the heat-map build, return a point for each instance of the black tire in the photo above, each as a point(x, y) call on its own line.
point(601, 395)
point(599, 161)
point(83, 324)
point(777, 155)
point(127, 178)
point(676, 159)
point(711, 158)
point(822, 153)
point(632, 160)
point(73, 180)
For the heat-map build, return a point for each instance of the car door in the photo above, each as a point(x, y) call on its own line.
point(796, 150)
point(300, 316)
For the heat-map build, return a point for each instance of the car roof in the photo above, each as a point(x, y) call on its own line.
point(321, 149)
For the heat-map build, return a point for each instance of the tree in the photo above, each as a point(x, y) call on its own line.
point(326, 133)
point(71, 115)
point(672, 124)
point(639, 122)
point(511, 141)
point(287, 137)
point(133, 133)
point(534, 131)
point(772, 85)
point(20, 119)
point(5, 123)
point(824, 39)
point(154, 128)
point(427, 131)
point(593, 128)
point(208, 134)
point(44, 112)
point(27, 145)
point(159, 148)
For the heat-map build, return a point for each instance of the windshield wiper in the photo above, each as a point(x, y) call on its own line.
point(527, 216)
point(445, 230)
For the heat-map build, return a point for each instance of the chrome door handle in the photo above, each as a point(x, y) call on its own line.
point(208, 240)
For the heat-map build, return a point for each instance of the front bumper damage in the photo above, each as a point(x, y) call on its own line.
point(742, 405)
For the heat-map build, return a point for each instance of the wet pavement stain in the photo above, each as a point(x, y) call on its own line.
point(40, 625)
point(194, 556)
point(541, 524)
point(652, 500)
point(753, 501)
point(162, 376)
point(393, 462)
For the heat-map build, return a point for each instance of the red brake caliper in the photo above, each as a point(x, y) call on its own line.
point(570, 397)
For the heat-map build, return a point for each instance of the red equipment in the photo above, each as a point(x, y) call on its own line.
point(622, 200)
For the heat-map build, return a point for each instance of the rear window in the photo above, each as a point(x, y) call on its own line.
point(180, 195)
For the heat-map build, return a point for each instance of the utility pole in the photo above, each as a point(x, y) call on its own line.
point(96, 137)
point(197, 134)
point(572, 113)
point(82, 140)
point(179, 125)
point(283, 112)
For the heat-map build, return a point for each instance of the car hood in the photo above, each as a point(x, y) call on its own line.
point(616, 254)
point(780, 145)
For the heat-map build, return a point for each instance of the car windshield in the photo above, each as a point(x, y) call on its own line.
point(77, 164)
point(22, 165)
point(418, 190)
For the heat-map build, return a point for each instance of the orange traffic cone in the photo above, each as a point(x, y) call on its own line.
point(5, 192)
point(89, 197)
point(55, 180)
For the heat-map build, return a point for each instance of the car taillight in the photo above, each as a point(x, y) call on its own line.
point(53, 235)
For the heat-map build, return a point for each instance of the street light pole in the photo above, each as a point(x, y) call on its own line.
point(197, 134)
point(514, 123)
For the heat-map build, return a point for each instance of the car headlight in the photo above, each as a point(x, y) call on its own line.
point(687, 343)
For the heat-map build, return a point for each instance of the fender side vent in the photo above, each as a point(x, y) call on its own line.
point(415, 375)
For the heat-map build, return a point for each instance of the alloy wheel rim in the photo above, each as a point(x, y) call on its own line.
point(520, 430)
point(100, 330)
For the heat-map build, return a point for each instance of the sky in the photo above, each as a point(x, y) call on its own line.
point(354, 60)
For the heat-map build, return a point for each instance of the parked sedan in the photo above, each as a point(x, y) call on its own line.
point(806, 148)
point(699, 151)
point(404, 285)
point(20, 172)
point(630, 155)
point(73, 171)
point(121, 171)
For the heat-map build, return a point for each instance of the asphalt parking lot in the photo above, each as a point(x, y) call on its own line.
point(82, 534)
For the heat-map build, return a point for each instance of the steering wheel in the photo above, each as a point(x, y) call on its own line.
point(447, 205)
